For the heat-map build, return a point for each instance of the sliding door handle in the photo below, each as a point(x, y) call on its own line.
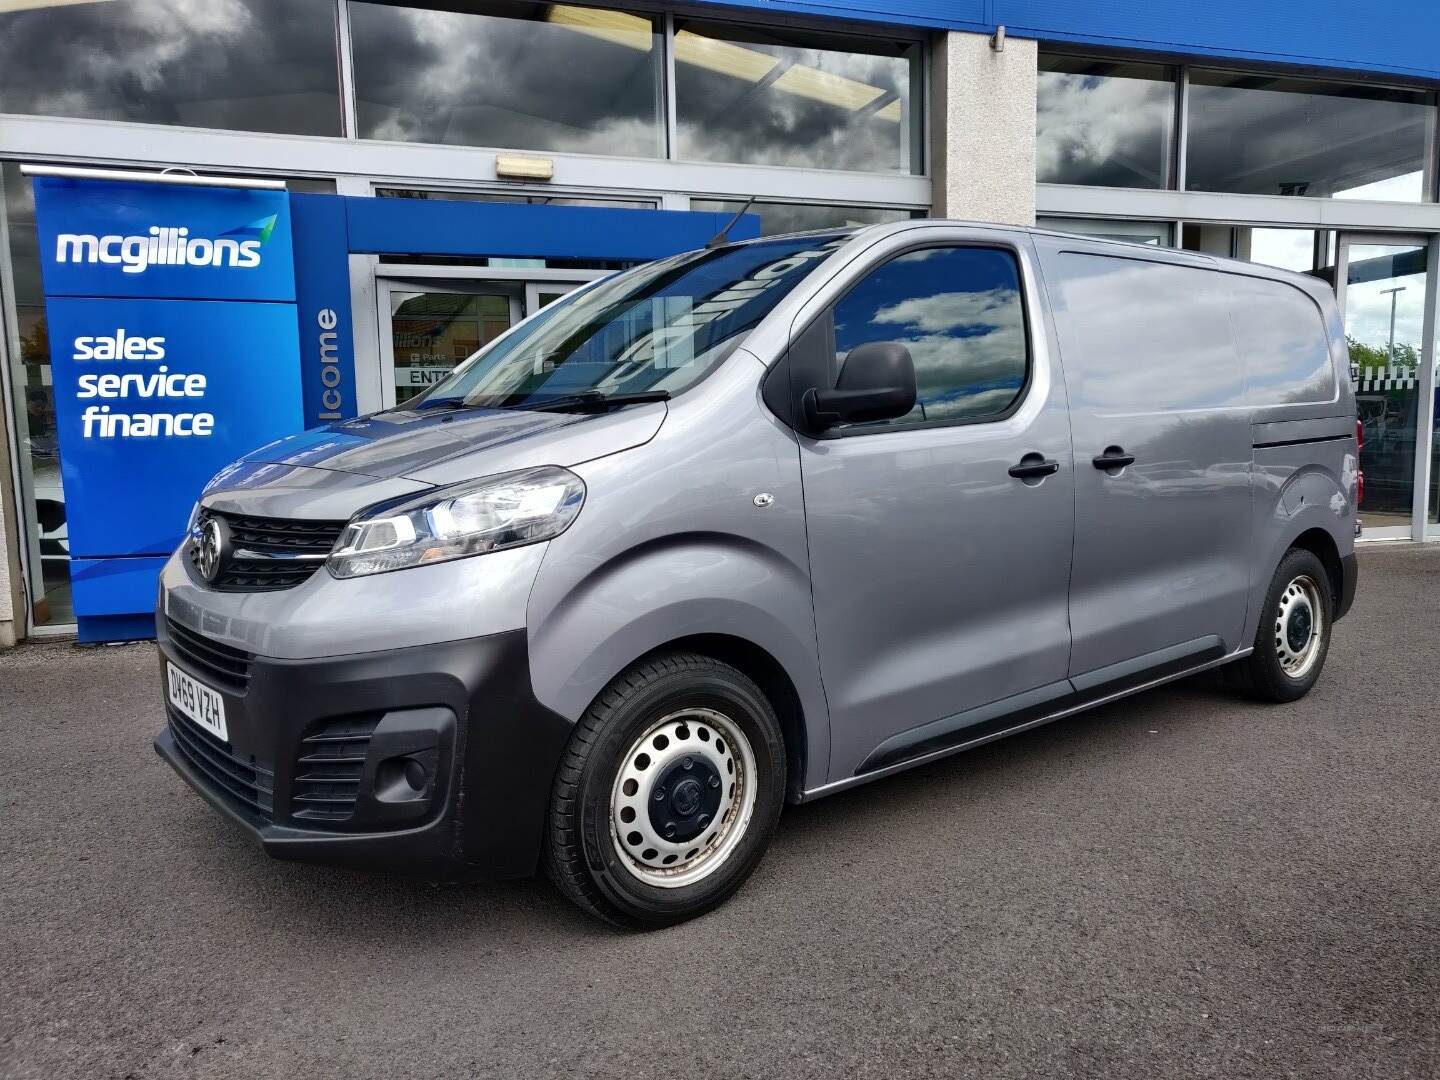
point(1033, 466)
point(1113, 458)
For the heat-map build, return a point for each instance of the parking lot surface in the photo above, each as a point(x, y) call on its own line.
point(1181, 884)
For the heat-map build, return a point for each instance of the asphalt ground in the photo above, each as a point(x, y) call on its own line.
point(1177, 885)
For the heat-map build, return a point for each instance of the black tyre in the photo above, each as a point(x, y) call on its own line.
point(1293, 637)
point(668, 793)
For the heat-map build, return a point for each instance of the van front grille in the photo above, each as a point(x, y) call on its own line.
point(222, 665)
point(268, 554)
point(327, 771)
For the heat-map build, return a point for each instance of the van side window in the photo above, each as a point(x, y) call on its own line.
point(1282, 342)
point(959, 312)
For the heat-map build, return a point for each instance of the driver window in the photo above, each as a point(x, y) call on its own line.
point(958, 310)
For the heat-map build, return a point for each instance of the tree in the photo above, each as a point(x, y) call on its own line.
point(1407, 356)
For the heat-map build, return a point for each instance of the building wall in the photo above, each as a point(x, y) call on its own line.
point(982, 137)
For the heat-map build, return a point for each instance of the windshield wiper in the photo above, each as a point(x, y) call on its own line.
point(445, 403)
point(594, 399)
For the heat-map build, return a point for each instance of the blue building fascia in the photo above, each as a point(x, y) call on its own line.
point(1381, 37)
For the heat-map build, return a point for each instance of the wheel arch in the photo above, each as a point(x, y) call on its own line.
point(1322, 545)
point(737, 602)
point(775, 683)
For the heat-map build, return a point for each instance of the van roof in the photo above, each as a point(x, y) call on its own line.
point(1151, 251)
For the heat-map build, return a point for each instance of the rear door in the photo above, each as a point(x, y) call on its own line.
point(939, 578)
point(1162, 460)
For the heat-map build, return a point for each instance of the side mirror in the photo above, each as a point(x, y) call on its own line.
point(877, 382)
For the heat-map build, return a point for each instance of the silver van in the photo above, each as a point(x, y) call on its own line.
point(755, 524)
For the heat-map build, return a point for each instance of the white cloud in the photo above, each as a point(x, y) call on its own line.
point(948, 312)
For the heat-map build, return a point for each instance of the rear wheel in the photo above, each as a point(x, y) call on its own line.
point(668, 793)
point(1293, 637)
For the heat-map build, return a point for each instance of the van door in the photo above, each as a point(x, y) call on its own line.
point(939, 542)
point(1163, 454)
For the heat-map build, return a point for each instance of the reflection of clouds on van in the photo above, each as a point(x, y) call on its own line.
point(967, 340)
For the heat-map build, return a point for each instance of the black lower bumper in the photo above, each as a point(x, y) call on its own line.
point(435, 760)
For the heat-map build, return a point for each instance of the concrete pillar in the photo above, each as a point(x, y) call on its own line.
point(982, 135)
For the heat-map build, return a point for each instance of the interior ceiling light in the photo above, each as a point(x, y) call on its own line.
point(723, 57)
point(632, 31)
point(798, 79)
point(7, 6)
point(831, 89)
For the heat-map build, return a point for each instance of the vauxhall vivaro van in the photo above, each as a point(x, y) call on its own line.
point(752, 524)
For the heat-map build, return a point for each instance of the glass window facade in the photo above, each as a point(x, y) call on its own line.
point(242, 65)
point(46, 537)
point(783, 217)
point(525, 198)
point(789, 97)
point(1104, 124)
point(1263, 135)
point(531, 77)
point(1384, 324)
point(1305, 251)
point(1155, 233)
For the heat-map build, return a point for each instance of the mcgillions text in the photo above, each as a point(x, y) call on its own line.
point(165, 246)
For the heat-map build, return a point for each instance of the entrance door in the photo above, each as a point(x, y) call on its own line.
point(429, 324)
point(432, 326)
point(539, 294)
point(1382, 292)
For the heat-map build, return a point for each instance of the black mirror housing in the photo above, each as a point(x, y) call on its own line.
point(877, 382)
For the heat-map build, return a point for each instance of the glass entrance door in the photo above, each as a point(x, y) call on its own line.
point(1384, 284)
point(429, 324)
point(434, 328)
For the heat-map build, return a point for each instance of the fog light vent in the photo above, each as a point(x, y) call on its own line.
point(329, 767)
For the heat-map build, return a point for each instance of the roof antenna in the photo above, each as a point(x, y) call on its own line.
point(722, 237)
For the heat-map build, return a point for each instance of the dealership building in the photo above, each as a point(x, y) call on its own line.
point(1299, 134)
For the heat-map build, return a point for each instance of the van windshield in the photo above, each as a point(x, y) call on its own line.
point(651, 331)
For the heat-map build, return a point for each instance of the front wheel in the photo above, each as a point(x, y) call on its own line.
point(1293, 637)
point(668, 793)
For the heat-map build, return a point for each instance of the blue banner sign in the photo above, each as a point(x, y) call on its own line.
point(152, 398)
point(322, 293)
point(174, 349)
point(168, 241)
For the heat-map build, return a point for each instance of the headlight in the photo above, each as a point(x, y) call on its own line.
point(499, 512)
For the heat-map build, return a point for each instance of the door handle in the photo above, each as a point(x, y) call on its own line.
point(1113, 458)
point(1033, 466)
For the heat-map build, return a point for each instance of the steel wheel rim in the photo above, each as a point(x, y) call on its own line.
point(1299, 626)
point(654, 784)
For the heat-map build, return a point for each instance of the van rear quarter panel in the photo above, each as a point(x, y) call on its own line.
point(671, 544)
point(1306, 459)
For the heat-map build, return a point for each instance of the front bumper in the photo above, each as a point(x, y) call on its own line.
point(324, 756)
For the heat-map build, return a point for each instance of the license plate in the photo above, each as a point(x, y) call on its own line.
point(197, 701)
